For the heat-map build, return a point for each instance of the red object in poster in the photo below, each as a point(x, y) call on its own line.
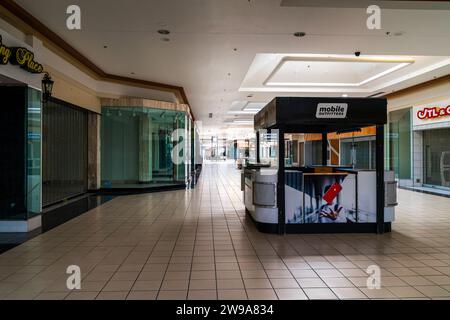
point(332, 193)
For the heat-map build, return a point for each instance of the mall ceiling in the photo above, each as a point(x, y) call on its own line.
point(217, 47)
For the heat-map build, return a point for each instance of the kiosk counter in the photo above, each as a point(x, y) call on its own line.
point(320, 198)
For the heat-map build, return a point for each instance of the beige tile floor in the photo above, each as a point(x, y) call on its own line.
point(198, 244)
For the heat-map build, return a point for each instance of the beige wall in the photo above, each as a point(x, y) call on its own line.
point(73, 92)
point(438, 89)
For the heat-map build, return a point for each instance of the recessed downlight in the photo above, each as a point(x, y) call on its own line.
point(394, 34)
point(344, 95)
point(163, 31)
point(299, 34)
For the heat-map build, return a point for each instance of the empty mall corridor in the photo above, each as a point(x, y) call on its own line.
point(199, 244)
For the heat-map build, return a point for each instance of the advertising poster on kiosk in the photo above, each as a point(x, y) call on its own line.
point(327, 198)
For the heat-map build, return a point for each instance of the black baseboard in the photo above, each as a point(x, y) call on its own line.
point(335, 228)
point(318, 228)
point(130, 191)
point(263, 227)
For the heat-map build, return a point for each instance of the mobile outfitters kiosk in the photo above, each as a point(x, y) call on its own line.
point(319, 198)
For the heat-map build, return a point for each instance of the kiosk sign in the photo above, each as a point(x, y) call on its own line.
point(331, 111)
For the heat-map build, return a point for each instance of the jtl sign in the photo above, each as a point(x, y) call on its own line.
point(19, 56)
point(433, 113)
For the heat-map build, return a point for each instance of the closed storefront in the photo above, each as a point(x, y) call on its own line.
point(64, 171)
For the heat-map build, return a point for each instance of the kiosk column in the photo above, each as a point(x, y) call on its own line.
point(380, 177)
point(324, 148)
point(280, 194)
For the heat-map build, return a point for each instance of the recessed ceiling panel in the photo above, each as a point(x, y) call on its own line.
point(293, 72)
point(386, 4)
point(336, 74)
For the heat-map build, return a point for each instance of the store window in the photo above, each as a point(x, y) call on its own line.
point(436, 144)
point(358, 153)
point(34, 140)
point(313, 153)
point(138, 147)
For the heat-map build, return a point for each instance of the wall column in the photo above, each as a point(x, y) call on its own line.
point(94, 182)
point(145, 149)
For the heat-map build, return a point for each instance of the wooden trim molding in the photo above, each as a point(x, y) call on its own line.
point(27, 23)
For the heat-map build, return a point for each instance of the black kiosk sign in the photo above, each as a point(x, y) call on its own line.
point(19, 56)
point(331, 110)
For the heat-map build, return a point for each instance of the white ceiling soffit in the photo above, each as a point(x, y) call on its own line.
point(213, 43)
point(324, 73)
point(391, 4)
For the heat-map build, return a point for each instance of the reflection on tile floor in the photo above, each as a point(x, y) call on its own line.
point(198, 244)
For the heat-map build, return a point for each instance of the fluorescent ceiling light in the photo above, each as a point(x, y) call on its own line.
point(331, 84)
point(243, 112)
point(238, 104)
point(255, 106)
point(243, 121)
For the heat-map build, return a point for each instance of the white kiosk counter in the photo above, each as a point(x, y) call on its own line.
point(260, 194)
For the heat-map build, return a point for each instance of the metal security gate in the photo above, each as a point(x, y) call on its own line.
point(64, 151)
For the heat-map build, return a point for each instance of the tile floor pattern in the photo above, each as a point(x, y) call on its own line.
point(198, 244)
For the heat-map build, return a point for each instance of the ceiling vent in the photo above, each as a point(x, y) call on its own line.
point(210, 115)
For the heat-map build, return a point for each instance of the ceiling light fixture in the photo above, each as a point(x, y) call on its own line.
point(243, 122)
point(345, 95)
point(335, 84)
point(164, 31)
point(243, 112)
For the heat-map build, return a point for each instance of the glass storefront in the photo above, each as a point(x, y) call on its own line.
point(398, 151)
point(20, 163)
point(144, 147)
point(34, 140)
point(418, 150)
point(436, 151)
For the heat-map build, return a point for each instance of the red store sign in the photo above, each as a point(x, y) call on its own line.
point(433, 112)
